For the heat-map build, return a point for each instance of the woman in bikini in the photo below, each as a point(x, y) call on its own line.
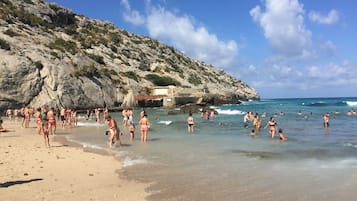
point(190, 123)
point(271, 123)
point(131, 131)
point(144, 127)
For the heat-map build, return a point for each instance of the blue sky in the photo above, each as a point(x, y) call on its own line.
point(282, 48)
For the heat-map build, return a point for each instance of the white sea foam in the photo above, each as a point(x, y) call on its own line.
point(121, 154)
point(164, 122)
point(91, 146)
point(130, 162)
point(348, 144)
point(351, 103)
point(83, 123)
point(230, 112)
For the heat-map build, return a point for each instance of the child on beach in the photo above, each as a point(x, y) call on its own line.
point(282, 135)
point(252, 133)
point(131, 130)
point(45, 132)
point(2, 129)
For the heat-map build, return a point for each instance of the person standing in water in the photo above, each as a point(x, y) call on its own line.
point(190, 123)
point(131, 131)
point(144, 128)
point(272, 124)
point(326, 120)
point(114, 132)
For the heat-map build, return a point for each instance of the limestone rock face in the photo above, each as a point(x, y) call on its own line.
point(51, 56)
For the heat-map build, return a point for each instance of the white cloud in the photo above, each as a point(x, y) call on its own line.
point(328, 49)
point(283, 25)
point(190, 38)
point(132, 16)
point(317, 76)
point(331, 18)
point(181, 32)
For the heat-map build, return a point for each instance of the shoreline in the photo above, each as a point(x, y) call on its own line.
point(66, 171)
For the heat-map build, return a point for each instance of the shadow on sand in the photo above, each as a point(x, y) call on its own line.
point(11, 183)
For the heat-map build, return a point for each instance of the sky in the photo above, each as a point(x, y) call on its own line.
point(282, 48)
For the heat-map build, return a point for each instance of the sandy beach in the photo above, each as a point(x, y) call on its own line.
point(30, 171)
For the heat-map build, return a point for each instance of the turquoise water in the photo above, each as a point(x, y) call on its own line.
point(225, 163)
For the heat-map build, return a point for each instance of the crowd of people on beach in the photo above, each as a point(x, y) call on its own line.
point(46, 119)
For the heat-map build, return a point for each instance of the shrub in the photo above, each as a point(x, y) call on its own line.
point(4, 45)
point(28, 1)
point(194, 79)
point(71, 29)
point(63, 45)
point(97, 58)
point(144, 66)
point(162, 81)
point(113, 48)
point(87, 71)
point(11, 33)
point(132, 75)
point(115, 38)
point(107, 72)
point(28, 18)
point(55, 54)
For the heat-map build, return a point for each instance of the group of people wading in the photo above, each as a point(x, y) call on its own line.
point(272, 124)
point(114, 131)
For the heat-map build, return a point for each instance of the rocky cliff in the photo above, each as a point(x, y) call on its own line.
point(50, 55)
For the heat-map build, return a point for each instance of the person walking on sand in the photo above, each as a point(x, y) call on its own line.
point(144, 128)
point(38, 120)
point(63, 116)
point(190, 123)
point(272, 124)
point(45, 132)
point(27, 117)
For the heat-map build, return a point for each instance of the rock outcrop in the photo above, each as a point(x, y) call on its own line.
point(49, 55)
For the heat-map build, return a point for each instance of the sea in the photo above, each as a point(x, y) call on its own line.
point(220, 161)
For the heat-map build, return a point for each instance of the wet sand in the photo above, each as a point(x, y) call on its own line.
point(30, 171)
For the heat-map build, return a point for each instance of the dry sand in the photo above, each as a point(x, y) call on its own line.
point(30, 171)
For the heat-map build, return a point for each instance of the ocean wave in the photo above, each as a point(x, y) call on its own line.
point(348, 144)
point(230, 112)
point(83, 123)
point(164, 122)
point(324, 103)
point(130, 162)
point(91, 146)
point(121, 154)
point(351, 103)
